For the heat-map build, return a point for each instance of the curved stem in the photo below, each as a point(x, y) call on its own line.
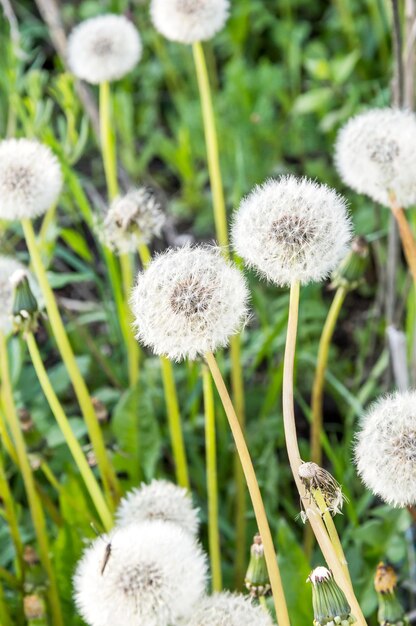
point(11, 517)
point(212, 481)
point(321, 365)
point(406, 235)
point(313, 513)
point(72, 442)
point(256, 498)
point(81, 391)
point(35, 506)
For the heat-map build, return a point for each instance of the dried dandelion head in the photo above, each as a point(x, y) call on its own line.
point(188, 21)
point(104, 48)
point(385, 450)
point(188, 302)
point(316, 478)
point(30, 179)
point(228, 609)
point(132, 220)
point(150, 573)
point(375, 154)
point(292, 229)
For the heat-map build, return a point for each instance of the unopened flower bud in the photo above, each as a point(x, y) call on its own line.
point(34, 609)
point(257, 579)
point(25, 308)
point(350, 272)
point(330, 606)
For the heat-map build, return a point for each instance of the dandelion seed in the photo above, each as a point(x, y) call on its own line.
point(30, 179)
point(292, 229)
point(385, 450)
point(153, 576)
point(228, 609)
point(315, 478)
point(375, 154)
point(330, 606)
point(189, 21)
point(188, 302)
point(104, 48)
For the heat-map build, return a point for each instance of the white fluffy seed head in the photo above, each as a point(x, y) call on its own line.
point(292, 229)
point(131, 220)
point(375, 154)
point(152, 574)
point(30, 179)
point(228, 609)
point(188, 302)
point(188, 21)
point(385, 450)
point(104, 48)
point(160, 500)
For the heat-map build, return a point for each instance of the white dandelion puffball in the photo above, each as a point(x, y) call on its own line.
point(188, 21)
point(131, 220)
point(188, 302)
point(160, 500)
point(148, 574)
point(30, 179)
point(228, 609)
point(292, 229)
point(385, 450)
point(104, 48)
point(375, 154)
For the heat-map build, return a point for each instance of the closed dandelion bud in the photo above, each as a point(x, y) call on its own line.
point(8, 267)
point(104, 48)
point(292, 229)
point(375, 154)
point(151, 573)
point(257, 578)
point(160, 500)
point(321, 484)
point(330, 606)
point(228, 609)
point(34, 609)
point(30, 179)
point(350, 272)
point(390, 611)
point(25, 419)
point(385, 449)
point(188, 302)
point(25, 308)
point(100, 409)
point(189, 21)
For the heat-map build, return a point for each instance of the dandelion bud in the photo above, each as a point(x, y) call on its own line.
point(132, 220)
point(350, 272)
point(385, 450)
point(257, 578)
point(25, 418)
point(188, 21)
point(7, 267)
point(30, 179)
point(34, 609)
point(317, 481)
point(375, 154)
point(104, 48)
point(188, 302)
point(30, 556)
point(231, 609)
point(330, 606)
point(160, 500)
point(292, 229)
point(25, 308)
point(150, 573)
point(100, 409)
point(390, 611)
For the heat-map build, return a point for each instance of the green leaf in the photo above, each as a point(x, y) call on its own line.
point(312, 101)
point(77, 242)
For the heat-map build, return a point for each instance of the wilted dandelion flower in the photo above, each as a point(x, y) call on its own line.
point(188, 302)
point(160, 500)
point(104, 48)
point(132, 219)
point(385, 450)
point(292, 229)
point(315, 478)
point(151, 574)
point(228, 609)
point(188, 21)
point(375, 154)
point(30, 179)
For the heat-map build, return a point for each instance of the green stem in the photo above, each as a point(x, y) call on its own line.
point(131, 344)
point(11, 517)
point(72, 442)
point(108, 143)
point(36, 511)
point(175, 426)
point(81, 391)
point(5, 437)
point(212, 480)
point(5, 619)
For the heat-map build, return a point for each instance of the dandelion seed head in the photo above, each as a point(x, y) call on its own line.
point(315, 477)
point(385, 450)
point(104, 48)
point(188, 21)
point(160, 500)
point(375, 154)
point(154, 575)
point(188, 302)
point(30, 179)
point(292, 229)
point(228, 609)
